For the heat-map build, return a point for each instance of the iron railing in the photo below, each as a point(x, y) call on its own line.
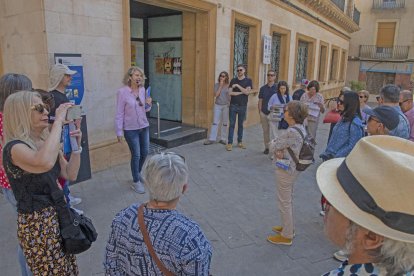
point(388, 4)
point(356, 16)
point(340, 4)
point(374, 52)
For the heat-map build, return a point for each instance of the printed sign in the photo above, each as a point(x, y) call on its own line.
point(267, 49)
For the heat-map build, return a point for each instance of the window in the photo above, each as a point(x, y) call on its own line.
point(323, 60)
point(333, 74)
point(343, 66)
point(241, 46)
point(302, 60)
point(275, 58)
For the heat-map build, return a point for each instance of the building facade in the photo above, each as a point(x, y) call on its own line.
point(382, 51)
point(182, 45)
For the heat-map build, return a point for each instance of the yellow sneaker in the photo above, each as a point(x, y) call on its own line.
point(279, 239)
point(229, 147)
point(241, 145)
point(277, 229)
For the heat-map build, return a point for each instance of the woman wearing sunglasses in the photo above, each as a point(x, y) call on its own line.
point(221, 110)
point(33, 161)
point(348, 130)
point(131, 121)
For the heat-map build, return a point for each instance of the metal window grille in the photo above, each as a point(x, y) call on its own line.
point(275, 59)
point(241, 46)
point(302, 61)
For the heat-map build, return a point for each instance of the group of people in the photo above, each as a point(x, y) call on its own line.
point(367, 206)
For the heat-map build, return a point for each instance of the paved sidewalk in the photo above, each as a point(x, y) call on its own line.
point(231, 195)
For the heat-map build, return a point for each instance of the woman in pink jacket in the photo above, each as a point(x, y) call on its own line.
point(131, 121)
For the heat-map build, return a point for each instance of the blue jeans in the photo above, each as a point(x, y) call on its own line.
point(138, 143)
point(240, 112)
point(8, 194)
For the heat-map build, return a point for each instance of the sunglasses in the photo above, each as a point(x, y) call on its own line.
point(271, 75)
point(362, 97)
point(139, 101)
point(338, 101)
point(40, 108)
point(401, 103)
point(240, 70)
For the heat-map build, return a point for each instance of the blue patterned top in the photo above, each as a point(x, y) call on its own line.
point(403, 128)
point(360, 270)
point(178, 241)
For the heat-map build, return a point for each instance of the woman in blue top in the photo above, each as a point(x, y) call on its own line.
point(348, 130)
point(281, 97)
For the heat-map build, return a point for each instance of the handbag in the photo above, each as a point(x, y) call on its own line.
point(147, 241)
point(332, 117)
point(77, 231)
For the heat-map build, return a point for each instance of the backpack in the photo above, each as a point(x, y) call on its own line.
point(305, 153)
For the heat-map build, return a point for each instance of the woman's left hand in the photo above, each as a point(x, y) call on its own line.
point(148, 100)
point(77, 133)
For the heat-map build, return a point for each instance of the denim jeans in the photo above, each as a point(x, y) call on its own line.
point(240, 112)
point(221, 114)
point(8, 194)
point(138, 143)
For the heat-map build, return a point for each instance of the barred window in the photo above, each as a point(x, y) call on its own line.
point(302, 60)
point(241, 46)
point(275, 58)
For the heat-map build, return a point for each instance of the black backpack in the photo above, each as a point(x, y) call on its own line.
point(306, 152)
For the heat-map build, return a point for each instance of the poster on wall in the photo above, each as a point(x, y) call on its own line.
point(159, 65)
point(168, 66)
point(177, 66)
point(75, 91)
point(267, 49)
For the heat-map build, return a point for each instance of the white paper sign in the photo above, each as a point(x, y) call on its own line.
point(267, 48)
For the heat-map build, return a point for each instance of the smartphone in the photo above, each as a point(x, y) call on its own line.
point(74, 112)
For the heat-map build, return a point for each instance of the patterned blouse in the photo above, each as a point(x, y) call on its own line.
point(368, 269)
point(317, 98)
point(178, 241)
point(4, 182)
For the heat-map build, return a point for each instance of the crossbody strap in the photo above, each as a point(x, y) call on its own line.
point(292, 154)
point(147, 241)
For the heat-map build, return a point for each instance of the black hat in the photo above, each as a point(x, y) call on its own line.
point(387, 115)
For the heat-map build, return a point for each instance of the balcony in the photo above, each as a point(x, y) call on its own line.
point(388, 4)
point(383, 53)
point(340, 4)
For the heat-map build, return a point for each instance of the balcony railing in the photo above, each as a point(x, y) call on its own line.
point(356, 16)
point(381, 53)
point(340, 4)
point(388, 4)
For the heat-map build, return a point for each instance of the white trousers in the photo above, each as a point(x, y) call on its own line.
point(220, 118)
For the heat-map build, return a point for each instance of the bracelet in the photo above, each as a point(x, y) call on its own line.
point(79, 151)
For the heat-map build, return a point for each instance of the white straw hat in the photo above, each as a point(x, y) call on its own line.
point(57, 72)
point(374, 186)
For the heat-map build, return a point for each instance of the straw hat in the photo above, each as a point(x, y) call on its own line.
point(380, 169)
point(57, 72)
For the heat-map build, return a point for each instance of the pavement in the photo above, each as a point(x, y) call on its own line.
point(231, 195)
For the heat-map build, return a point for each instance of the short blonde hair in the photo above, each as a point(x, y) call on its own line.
point(366, 94)
point(17, 119)
point(130, 72)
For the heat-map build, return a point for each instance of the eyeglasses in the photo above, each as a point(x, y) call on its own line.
point(239, 70)
point(40, 108)
point(139, 101)
point(362, 96)
point(401, 103)
point(271, 75)
point(339, 101)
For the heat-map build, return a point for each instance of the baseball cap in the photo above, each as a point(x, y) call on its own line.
point(387, 115)
point(57, 72)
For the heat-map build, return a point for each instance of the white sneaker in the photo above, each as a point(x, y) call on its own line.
point(322, 213)
point(138, 187)
point(74, 200)
point(341, 255)
point(80, 212)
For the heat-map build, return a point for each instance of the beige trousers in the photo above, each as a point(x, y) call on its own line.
point(313, 127)
point(284, 186)
point(266, 129)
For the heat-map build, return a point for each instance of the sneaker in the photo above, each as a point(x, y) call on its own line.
point(223, 142)
point(278, 229)
point(229, 147)
point(279, 239)
point(138, 187)
point(266, 151)
point(208, 142)
point(80, 212)
point(322, 213)
point(241, 145)
point(74, 200)
point(341, 255)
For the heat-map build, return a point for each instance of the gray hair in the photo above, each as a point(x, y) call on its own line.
point(165, 175)
point(390, 93)
point(406, 95)
point(396, 257)
point(10, 83)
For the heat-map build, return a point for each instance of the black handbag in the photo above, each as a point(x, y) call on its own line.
point(77, 231)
